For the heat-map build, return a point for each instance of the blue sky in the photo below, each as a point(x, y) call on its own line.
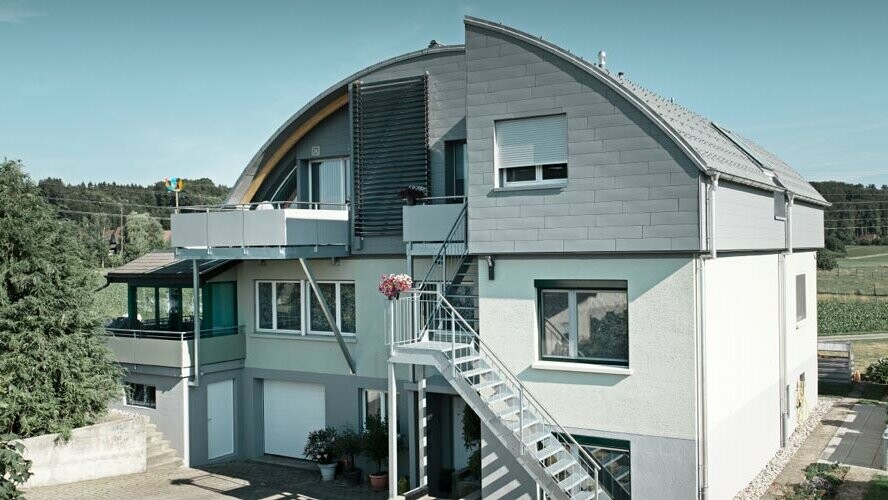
point(136, 91)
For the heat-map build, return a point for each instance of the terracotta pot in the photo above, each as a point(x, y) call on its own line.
point(379, 482)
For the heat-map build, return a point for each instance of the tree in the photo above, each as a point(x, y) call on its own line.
point(55, 371)
point(141, 234)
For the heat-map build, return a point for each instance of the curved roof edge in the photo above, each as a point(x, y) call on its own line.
point(622, 88)
point(245, 179)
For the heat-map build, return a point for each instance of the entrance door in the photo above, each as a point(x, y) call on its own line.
point(220, 418)
point(292, 410)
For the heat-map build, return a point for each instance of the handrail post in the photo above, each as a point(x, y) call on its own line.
point(453, 347)
point(596, 483)
point(521, 416)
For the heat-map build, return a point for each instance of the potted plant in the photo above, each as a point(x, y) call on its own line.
point(348, 445)
point(321, 447)
point(393, 284)
point(374, 441)
point(413, 193)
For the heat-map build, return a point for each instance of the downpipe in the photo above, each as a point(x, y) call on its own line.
point(703, 450)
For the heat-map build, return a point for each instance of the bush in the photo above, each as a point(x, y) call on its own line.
point(348, 445)
point(14, 469)
point(877, 372)
point(836, 317)
point(826, 260)
point(374, 441)
point(836, 245)
point(321, 446)
point(821, 481)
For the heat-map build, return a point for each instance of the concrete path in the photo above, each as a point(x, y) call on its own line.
point(851, 336)
point(858, 441)
point(245, 480)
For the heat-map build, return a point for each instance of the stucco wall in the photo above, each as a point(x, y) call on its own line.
point(656, 400)
point(629, 187)
point(742, 376)
point(801, 336)
point(168, 412)
point(111, 448)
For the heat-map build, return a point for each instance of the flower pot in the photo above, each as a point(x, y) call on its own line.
point(352, 477)
point(328, 471)
point(379, 481)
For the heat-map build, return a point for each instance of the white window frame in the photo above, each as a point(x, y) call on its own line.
point(500, 171)
point(343, 164)
point(382, 409)
point(338, 294)
point(274, 328)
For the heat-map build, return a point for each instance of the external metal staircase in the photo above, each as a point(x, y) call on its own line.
point(427, 329)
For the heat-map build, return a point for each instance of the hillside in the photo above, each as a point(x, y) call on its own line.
point(857, 210)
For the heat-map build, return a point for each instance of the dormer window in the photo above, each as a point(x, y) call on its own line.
point(530, 151)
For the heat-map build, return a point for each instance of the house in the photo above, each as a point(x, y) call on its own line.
point(621, 289)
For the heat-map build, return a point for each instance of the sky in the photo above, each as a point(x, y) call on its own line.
point(131, 91)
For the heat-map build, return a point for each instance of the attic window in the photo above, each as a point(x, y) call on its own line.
point(531, 150)
point(779, 205)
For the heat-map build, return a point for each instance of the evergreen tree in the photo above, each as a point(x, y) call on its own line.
point(55, 372)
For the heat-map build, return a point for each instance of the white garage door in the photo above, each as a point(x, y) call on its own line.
point(220, 418)
point(292, 410)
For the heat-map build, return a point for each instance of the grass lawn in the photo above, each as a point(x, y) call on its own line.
point(866, 352)
point(878, 489)
point(862, 270)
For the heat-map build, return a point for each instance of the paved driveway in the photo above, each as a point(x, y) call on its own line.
point(859, 439)
point(244, 480)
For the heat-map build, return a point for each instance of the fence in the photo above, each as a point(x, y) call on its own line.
point(835, 362)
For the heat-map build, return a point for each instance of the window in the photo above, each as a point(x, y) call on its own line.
point(455, 161)
point(585, 321)
point(373, 402)
point(279, 305)
point(531, 150)
point(340, 298)
point(140, 395)
point(614, 455)
point(779, 205)
point(327, 183)
point(801, 305)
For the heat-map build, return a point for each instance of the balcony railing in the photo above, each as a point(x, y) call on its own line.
point(175, 348)
point(245, 230)
point(431, 220)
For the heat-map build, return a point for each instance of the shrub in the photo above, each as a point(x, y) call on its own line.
point(877, 372)
point(348, 445)
point(321, 446)
point(14, 469)
point(374, 441)
point(836, 245)
point(826, 260)
point(472, 439)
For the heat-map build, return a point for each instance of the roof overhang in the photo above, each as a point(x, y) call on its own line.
point(164, 269)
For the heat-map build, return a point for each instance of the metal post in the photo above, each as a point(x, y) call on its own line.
point(423, 460)
point(597, 487)
point(453, 346)
point(392, 432)
point(521, 417)
point(330, 319)
point(195, 300)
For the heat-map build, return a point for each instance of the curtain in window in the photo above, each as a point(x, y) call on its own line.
point(327, 182)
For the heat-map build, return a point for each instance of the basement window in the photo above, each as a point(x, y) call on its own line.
point(141, 395)
point(584, 321)
point(531, 151)
point(373, 402)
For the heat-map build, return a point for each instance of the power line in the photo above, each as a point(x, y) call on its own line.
point(107, 213)
point(115, 203)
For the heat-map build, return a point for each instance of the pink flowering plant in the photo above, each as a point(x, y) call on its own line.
point(321, 446)
point(393, 284)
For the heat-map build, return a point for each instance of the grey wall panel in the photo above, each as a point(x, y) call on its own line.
point(744, 219)
point(807, 226)
point(331, 136)
point(629, 187)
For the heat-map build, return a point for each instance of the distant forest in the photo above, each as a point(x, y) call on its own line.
point(859, 214)
point(106, 213)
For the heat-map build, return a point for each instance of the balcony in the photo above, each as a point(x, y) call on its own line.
point(268, 230)
point(175, 349)
point(433, 221)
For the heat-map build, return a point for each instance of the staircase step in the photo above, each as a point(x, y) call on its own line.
point(528, 422)
point(583, 495)
point(162, 458)
point(467, 359)
point(573, 481)
point(560, 466)
point(512, 410)
point(549, 451)
point(500, 398)
point(487, 384)
point(536, 438)
point(168, 462)
point(476, 371)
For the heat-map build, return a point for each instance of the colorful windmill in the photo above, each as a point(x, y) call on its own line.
point(174, 185)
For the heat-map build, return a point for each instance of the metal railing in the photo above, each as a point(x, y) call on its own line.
point(427, 316)
point(264, 205)
point(141, 333)
point(450, 256)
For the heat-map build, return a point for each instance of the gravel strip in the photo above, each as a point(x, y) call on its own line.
point(759, 486)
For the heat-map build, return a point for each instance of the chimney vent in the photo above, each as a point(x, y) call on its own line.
point(602, 59)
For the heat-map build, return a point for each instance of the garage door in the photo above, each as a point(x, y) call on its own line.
point(220, 419)
point(292, 410)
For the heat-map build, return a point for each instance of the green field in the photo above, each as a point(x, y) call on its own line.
point(863, 271)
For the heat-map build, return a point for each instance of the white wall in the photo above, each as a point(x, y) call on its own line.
point(801, 336)
point(167, 414)
point(742, 375)
point(655, 400)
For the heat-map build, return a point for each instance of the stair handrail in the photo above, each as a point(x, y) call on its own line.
point(562, 433)
point(442, 250)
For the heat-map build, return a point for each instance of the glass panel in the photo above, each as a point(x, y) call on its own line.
point(375, 400)
point(265, 311)
point(347, 301)
point(801, 305)
point(455, 169)
point(318, 320)
point(223, 306)
point(556, 324)
point(617, 462)
point(554, 172)
point(188, 304)
point(521, 174)
point(145, 309)
point(602, 326)
point(289, 312)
